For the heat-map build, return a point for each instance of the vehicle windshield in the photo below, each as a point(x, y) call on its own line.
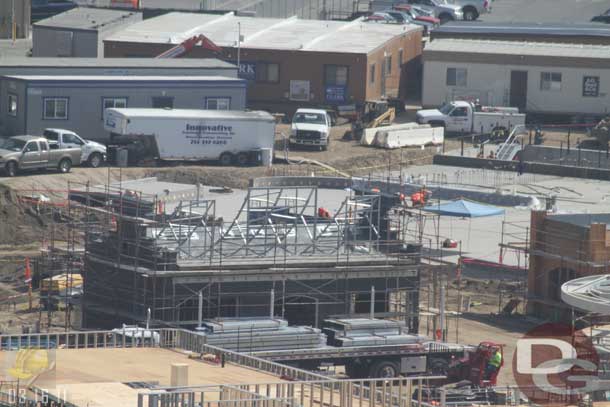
point(12, 144)
point(311, 118)
point(51, 135)
point(446, 108)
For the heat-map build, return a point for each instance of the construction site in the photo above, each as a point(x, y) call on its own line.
point(299, 284)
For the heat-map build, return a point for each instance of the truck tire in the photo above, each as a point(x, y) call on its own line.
point(95, 160)
point(445, 17)
point(11, 169)
point(226, 159)
point(384, 370)
point(436, 124)
point(64, 166)
point(243, 159)
point(470, 13)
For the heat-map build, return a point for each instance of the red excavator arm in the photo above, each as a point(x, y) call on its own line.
point(188, 45)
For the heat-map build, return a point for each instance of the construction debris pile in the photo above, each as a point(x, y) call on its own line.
point(257, 335)
point(366, 332)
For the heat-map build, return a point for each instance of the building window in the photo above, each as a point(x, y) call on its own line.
point(550, 81)
point(388, 65)
point(12, 105)
point(163, 102)
point(400, 57)
point(116, 103)
point(55, 109)
point(218, 103)
point(456, 77)
point(269, 73)
point(335, 75)
point(372, 80)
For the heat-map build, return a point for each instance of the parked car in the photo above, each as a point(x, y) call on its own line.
point(443, 11)
point(406, 18)
point(380, 17)
point(311, 127)
point(92, 153)
point(472, 8)
point(602, 18)
point(24, 153)
point(42, 9)
point(418, 15)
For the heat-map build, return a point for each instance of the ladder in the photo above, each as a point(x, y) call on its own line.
point(509, 148)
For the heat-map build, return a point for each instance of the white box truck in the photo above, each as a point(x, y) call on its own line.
point(187, 135)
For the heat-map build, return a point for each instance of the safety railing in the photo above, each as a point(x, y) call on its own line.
point(191, 341)
point(210, 396)
point(134, 337)
point(400, 392)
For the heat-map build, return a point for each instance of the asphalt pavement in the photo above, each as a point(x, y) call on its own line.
point(545, 11)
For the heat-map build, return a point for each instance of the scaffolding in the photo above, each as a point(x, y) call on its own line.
point(148, 259)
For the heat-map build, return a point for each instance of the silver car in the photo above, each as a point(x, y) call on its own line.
point(472, 8)
point(440, 9)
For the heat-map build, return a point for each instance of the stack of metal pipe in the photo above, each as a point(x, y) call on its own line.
point(257, 335)
point(368, 332)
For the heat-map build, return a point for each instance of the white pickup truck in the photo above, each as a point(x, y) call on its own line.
point(92, 153)
point(311, 127)
point(467, 118)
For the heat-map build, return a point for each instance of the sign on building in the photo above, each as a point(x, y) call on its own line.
point(247, 70)
point(299, 90)
point(335, 94)
point(590, 86)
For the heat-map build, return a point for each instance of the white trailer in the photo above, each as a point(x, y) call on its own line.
point(186, 135)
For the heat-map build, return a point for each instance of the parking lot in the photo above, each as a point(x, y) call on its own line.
point(545, 11)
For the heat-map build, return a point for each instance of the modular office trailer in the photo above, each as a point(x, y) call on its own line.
point(77, 103)
point(544, 78)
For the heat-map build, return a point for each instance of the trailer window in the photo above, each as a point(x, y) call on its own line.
point(550, 81)
point(372, 80)
point(117, 103)
point(162, 102)
point(55, 109)
point(218, 103)
point(456, 77)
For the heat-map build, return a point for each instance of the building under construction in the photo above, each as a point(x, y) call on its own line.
point(171, 260)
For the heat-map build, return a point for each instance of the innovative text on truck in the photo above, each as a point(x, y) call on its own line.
point(193, 135)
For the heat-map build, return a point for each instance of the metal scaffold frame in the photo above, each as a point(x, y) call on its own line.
point(146, 258)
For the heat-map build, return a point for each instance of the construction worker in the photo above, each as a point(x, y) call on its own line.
point(494, 363)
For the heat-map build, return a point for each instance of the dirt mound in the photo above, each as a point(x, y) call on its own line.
point(18, 225)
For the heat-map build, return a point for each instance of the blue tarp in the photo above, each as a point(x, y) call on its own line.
point(464, 209)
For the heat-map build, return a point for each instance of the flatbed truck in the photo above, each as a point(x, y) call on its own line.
point(380, 361)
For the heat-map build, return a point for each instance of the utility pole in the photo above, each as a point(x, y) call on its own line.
point(238, 47)
point(13, 23)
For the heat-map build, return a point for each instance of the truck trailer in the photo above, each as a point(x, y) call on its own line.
point(192, 135)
